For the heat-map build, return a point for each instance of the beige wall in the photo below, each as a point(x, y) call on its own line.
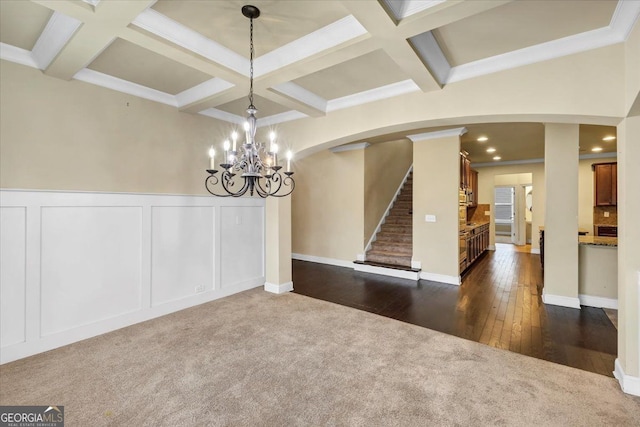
point(436, 180)
point(328, 206)
point(63, 135)
point(385, 167)
point(632, 70)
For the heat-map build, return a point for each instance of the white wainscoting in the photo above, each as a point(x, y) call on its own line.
point(78, 264)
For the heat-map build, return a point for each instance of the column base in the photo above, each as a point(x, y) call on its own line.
point(629, 384)
point(278, 289)
point(561, 301)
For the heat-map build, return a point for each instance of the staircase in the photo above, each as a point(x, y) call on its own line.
point(393, 245)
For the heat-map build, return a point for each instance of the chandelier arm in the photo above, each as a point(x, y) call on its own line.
point(210, 183)
point(288, 181)
point(262, 192)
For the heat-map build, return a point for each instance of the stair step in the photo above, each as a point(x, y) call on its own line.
point(387, 258)
point(394, 237)
point(395, 248)
point(399, 219)
point(397, 228)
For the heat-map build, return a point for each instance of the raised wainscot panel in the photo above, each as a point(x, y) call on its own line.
point(12, 275)
point(182, 245)
point(241, 244)
point(90, 265)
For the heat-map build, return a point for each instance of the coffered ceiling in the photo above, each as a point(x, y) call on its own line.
point(312, 57)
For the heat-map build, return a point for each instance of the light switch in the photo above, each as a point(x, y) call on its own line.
point(238, 220)
point(430, 218)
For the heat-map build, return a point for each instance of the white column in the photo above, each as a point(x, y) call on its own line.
point(561, 216)
point(436, 176)
point(627, 367)
point(278, 245)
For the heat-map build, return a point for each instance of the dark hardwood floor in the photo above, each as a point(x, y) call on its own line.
point(499, 304)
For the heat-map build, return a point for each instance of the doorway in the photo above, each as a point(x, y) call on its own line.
point(513, 208)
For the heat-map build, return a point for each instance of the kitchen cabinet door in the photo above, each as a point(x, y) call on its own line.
point(605, 184)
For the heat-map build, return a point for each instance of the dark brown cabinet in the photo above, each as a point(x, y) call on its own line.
point(468, 180)
point(465, 168)
point(605, 180)
point(473, 188)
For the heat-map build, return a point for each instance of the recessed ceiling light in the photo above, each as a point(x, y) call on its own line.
point(491, 150)
point(608, 138)
point(497, 157)
point(596, 149)
point(483, 139)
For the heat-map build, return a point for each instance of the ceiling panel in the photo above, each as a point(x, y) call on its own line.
point(519, 24)
point(280, 22)
point(138, 65)
point(357, 75)
point(22, 22)
point(265, 107)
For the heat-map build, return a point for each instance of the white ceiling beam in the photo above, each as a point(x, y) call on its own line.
point(99, 29)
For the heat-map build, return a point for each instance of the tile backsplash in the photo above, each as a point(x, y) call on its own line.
point(600, 219)
point(477, 214)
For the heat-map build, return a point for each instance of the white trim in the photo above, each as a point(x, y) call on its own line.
point(376, 94)
point(386, 213)
point(491, 248)
point(278, 289)
point(17, 55)
point(535, 251)
point(100, 79)
point(416, 265)
point(392, 272)
point(203, 90)
point(571, 302)
point(624, 18)
point(403, 8)
point(274, 119)
point(54, 38)
point(598, 155)
point(322, 260)
point(628, 384)
point(301, 94)
point(223, 115)
point(165, 27)
point(441, 278)
point(361, 257)
point(329, 36)
point(349, 147)
point(431, 54)
point(437, 134)
point(599, 302)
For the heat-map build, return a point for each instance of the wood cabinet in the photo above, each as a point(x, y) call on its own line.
point(473, 188)
point(605, 183)
point(465, 169)
point(477, 242)
point(468, 180)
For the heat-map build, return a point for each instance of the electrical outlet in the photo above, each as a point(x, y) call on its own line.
point(199, 288)
point(606, 214)
point(487, 213)
point(238, 220)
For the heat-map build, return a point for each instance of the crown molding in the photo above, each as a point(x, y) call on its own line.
point(431, 54)
point(100, 79)
point(274, 119)
point(301, 94)
point(203, 90)
point(437, 134)
point(17, 55)
point(622, 21)
point(403, 8)
point(168, 29)
point(56, 34)
point(383, 92)
point(349, 147)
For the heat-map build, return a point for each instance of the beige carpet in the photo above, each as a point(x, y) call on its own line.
point(257, 359)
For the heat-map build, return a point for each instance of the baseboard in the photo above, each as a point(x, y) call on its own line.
point(442, 278)
point(323, 260)
point(600, 302)
point(560, 300)
point(491, 247)
point(282, 288)
point(629, 384)
point(535, 251)
point(402, 274)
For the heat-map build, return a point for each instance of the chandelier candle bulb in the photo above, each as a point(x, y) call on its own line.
point(234, 138)
point(212, 155)
point(289, 157)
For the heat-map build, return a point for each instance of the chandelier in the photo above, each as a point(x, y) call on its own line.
point(258, 167)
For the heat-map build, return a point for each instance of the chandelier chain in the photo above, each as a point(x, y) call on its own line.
point(251, 52)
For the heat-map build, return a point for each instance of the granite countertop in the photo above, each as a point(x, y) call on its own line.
point(580, 230)
point(473, 225)
point(605, 225)
point(598, 241)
